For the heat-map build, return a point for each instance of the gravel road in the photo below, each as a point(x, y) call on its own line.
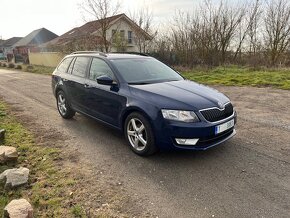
point(248, 176)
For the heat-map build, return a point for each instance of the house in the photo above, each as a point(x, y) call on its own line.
point(31, 42)
point(7, 47)
point(121, 34)
point(1, 41)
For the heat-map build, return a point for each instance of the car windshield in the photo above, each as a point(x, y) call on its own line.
point(145, 71)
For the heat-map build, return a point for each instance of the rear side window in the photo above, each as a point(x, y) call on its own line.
point(80, 66)
point(100, 68)
point(62, 68)
point(71, 66)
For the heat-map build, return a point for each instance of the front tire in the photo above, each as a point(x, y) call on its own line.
point(139, 134)
point(63, 106)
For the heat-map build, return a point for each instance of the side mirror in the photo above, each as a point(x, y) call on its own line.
point(105, 80)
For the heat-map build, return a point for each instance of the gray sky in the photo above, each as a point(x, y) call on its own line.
point(20, 17)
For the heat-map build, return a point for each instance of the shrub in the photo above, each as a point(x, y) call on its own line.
point(4, 65)
point(29, 67)
point(11, 65)
point(18, 67)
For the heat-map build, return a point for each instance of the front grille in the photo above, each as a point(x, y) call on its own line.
point(214, 114)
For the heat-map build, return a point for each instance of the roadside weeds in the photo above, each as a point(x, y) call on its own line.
point(59, 186)
point(31, 69)
point(241, 76)
point(48, 183)
point(227, 75)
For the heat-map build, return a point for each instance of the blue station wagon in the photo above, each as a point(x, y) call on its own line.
point(155, 107)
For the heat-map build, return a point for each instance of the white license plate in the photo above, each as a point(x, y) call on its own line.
point(225, 126)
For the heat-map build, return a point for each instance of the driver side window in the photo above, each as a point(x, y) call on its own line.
point(100, 68)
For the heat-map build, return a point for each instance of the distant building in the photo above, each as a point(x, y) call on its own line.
point(122, 34)
point(31, 42)
point(7, 46)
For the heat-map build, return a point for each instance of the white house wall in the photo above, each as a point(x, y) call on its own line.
point(122, 25)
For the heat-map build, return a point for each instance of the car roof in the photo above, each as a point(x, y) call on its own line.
point(110, 56)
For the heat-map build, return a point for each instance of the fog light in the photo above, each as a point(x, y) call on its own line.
point(186, 141)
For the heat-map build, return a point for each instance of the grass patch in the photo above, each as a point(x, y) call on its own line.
point(49, 184)
point(32, 69)
point(38, 69)
point(228, 76)
point(241, 76)
point(78, 211)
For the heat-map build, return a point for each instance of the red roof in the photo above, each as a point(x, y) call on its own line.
point(82, 31)
point(88, 29)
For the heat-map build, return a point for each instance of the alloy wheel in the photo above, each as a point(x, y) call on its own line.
point(61, 104)
point(137, 134)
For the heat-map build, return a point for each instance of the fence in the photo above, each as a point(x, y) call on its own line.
point(49, 59)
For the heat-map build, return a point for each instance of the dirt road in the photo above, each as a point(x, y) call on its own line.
point(248, 176)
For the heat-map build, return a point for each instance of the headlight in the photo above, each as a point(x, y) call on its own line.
point(184, 116)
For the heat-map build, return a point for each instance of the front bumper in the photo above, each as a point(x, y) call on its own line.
point(203, 131)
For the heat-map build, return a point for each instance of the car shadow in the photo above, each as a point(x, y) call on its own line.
point(116, 135)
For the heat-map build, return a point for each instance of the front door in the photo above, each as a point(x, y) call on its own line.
point(105, 101)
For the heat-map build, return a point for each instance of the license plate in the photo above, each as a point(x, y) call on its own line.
point(225, 126)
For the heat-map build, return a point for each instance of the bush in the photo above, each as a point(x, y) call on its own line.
point(18, 67)
point(4, 65)
point(11, 65)
point(29, 68)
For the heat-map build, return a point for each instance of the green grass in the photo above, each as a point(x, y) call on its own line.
point(241, 76)
point(77, 211)
point(48, 182)
point(33, 69)
point(228, 76)
point(38, 69)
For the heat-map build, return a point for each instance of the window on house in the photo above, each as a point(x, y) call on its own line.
point(130, 37)
point(114, 35)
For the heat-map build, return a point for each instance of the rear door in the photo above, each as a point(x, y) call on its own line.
point(75, 83)
point(60, 75)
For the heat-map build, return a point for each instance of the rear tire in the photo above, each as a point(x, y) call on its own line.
point(139, 134)
point(63, 106)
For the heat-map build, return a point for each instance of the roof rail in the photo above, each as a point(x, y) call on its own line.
point(134, 53)
point(90, 52)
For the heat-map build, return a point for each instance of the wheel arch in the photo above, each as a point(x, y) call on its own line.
point(132, 110)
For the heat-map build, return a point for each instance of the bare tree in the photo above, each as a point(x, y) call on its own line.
point(100, 10)
point(217, 27)
point(180, 31)
point(221, 33)
point(144, 19)
point(277, 29)
point(248, 27)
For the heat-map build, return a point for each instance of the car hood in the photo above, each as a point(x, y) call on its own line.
point(184, 94)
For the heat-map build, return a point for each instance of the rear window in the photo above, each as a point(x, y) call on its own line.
point(62, 68)
point(80, 66)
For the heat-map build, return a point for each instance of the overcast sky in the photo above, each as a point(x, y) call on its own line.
point(20, 17)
